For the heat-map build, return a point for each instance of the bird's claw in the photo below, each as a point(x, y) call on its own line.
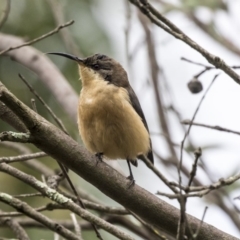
point(99, 156)
point(132, 181)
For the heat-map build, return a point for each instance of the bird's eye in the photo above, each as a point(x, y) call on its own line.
point(96, 66)
point(108, 78)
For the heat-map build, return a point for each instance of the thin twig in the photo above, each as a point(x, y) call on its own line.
point(77, 226)
point(182, 222)
point(97, 206)
point(27, 195)
point(157, 18)
point(15, 227)
point(196, 63)
point(218, 128)
point(24, 157)
point(197, 154)
point(150, 227)
point(48, 207)
point(200, 191)
point(189, 128)
point(57, 29)
point(207, 67)
point(200, 225)
point(158, 173)
point(57, 120)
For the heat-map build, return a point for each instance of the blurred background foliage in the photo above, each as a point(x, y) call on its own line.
point(29, 19)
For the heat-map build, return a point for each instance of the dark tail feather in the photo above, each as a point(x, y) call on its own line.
point(134, 162)
point(150, 153)
point(150, 156)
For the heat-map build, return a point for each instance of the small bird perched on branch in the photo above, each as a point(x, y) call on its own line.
point(110, 119)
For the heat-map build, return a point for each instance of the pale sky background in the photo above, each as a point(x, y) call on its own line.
point(220, 107)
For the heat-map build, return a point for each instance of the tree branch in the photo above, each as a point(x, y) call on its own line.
point(63, 148)
point(158, 19)
point(29, 211)
point(15, 227)
point(57, 29)
point(58, 198)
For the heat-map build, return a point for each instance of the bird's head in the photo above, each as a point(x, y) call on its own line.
point(99, 66)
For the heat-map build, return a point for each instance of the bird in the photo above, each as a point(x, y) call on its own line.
point(111, 121)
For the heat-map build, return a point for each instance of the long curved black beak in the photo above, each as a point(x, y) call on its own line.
point(72, 57)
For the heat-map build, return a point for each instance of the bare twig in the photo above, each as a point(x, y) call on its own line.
point(27, 195)
point(57, 29)
point(197, 154)
point(196, 63)
point(77, 226)
point(150, 228)
point(57, 120)
point(218, 128)
point(29, 211)
point(200, 191)
point(195, 236)
point(24, 157)
point(189, 128)
point(157, 18)
point(99, 207)
point(15, 227)
point(60, 199)
point(158, 173)
point(182, 200)
point(206, 67)
point(48, 207)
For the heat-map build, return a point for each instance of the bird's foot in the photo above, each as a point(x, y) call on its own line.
point(132, 181)
point(99, 156)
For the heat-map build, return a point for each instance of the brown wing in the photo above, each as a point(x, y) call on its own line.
point(137, 107)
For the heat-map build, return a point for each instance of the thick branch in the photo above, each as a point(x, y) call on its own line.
point(8, 116)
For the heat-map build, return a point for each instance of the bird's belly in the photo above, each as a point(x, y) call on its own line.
point(113, 129)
